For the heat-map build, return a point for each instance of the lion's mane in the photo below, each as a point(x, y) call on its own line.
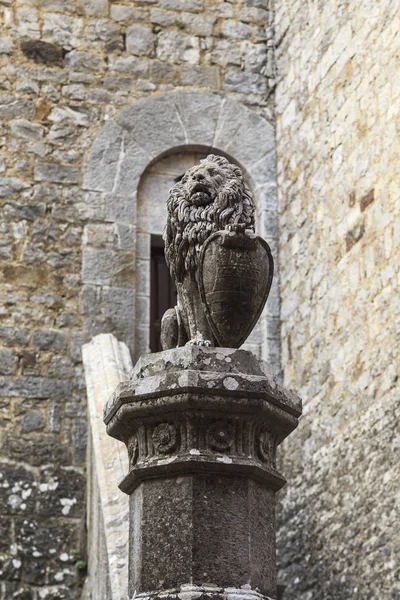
point(188, 226)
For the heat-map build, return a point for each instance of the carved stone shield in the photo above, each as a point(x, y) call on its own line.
point(235, 276)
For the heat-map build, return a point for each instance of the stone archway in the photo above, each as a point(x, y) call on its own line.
point(125, 148)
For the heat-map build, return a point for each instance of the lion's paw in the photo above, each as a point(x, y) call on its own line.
point(199, 342)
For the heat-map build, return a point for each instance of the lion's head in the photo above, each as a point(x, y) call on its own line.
point(209, 197)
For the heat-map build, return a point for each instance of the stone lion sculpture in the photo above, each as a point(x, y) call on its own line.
point(210, 197)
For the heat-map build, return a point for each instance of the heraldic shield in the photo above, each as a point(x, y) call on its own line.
point(235, 277)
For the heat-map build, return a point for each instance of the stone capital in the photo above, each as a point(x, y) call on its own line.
point(202, 410)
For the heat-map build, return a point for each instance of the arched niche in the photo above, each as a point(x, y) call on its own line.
point(133, 162)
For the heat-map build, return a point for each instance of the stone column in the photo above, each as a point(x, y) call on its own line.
point(201, 426)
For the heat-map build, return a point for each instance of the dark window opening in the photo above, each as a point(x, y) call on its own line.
point(162, 291)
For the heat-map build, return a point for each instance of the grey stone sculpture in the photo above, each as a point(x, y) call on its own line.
point(223, 272)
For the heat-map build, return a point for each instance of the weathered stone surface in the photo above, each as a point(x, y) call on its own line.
point(103, 160)
point(196, 455)
point(57, 173)
point(177, 47)
point(107, 362)
point(60, 492)
point(140, 40)
point(27, 130)
point(236, 30)
point(108, 267)
point(43, 52)
point(28, 22)
point(85, 61)
point(34, 387)
point(340, 326)
point(82, 115)
point(8, 362)
point(64, 29)
point(47, 339)
point(103, 35)
point(18, 489)
point(6, 45)
point(150, 118)
point(237, 81)
point(65, 74)
point(11, 185)
point(94, 8)
point(12, 107)
point(213, 268)
point(32, 421)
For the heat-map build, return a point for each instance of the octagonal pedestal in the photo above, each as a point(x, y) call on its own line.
point(201, 426)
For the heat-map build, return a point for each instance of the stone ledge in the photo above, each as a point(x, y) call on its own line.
point(205, 592)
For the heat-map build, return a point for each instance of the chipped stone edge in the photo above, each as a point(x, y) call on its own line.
point(195, 592)
point(107, 363)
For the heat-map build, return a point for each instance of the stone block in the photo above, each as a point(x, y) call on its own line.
point(12, 107)
point(129, 65)
point(27, 130)
point(235, 30)
point(98, 96)
point(196, 24)
point(18, 489)
point(6, 45)
point(104, 36)
point(64, 29)
point(104, 158)
point(252, 14)
point(162, 72)
point(119, 304)
point(180, 5)
point(140, 40)
point(28, 22)
point(177, 47)
point(14, 336)
point(226, 52)
point(61, 367)
point(34, 387)
point(61, 492)
point(80, 441)
point(146, 122)
point(131, 168)
point(122, 12)
point(12, 185)
point(49, 339)
point(125, 236)
point(61, 5)
point(120, 208)
point(239, 141)
point(8, 362)
point(161, 17)
point(93, 8)
point(108, 267)
point(74, 92)
point(82, 116)
point(85, 61)
point(99, 235)
point(56, 173)
point(207, 77)
point(32, 421)
point(255, 57)
point(35, 536)
point(245, 83)
point(264, 171)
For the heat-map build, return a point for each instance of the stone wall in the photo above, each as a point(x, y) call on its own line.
point(67, 67)
point(338, 125)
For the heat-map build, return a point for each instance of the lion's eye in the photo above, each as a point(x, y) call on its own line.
point(212, 172)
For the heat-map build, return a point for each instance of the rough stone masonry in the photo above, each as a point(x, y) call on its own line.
point(338, 123)
point(66, 67)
